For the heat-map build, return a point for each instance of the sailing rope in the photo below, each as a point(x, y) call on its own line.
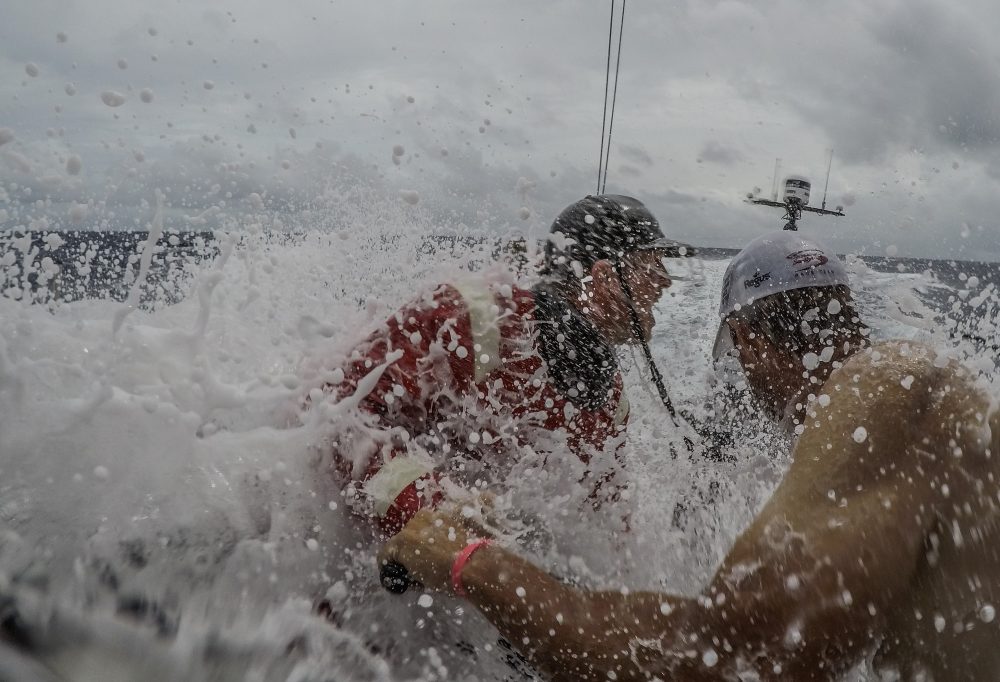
point(604, 158)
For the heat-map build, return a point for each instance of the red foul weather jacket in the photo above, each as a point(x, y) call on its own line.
point(460, 383)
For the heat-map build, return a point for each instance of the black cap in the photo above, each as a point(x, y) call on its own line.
point(604, 227)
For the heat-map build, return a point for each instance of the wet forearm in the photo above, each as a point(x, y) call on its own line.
point(570, 634)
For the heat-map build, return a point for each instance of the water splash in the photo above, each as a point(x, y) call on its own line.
point(161, 498)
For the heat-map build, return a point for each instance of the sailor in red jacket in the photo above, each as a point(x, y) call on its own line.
point(453, 387)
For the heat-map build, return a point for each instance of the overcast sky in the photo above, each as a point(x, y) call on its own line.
point(489, 114)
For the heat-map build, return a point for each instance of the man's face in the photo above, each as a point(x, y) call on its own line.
point(773, 376)
point(646, 278)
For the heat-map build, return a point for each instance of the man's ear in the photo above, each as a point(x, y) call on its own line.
point(603, 271)
point(606, 286)
point(740, 331)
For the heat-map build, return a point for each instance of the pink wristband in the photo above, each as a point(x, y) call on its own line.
point(461, 559)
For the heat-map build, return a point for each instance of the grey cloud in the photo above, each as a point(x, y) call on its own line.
point(674, 197)
point(636, 155)
point(942, 57)
point(716, 152)
point(926, 82)
point(875, 80)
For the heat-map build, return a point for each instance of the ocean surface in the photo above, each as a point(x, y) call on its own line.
point(162, 513)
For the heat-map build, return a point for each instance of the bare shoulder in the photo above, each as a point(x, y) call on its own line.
point(894, 399)
point(890, 416)
point(924, 378)
point(907, 375)
point(895, 442)
point(895, 367)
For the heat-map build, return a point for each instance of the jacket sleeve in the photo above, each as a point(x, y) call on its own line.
point(400, 378)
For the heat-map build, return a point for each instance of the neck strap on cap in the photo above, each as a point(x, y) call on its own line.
point(640, 335)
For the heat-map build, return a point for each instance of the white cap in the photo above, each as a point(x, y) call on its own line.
point(771, 264)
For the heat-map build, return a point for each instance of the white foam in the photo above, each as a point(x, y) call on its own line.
point(164, 444)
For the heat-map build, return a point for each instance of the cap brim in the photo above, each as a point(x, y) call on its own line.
point(723, 342)
point(671, 248)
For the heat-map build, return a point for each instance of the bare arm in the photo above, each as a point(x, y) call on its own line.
point(570, 634)
point(775, 607)
point(805, 591)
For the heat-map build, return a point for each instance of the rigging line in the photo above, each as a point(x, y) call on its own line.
point(607, 78)
point(614, 96)
point(640, 336)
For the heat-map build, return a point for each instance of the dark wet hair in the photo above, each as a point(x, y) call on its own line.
point(807, 319)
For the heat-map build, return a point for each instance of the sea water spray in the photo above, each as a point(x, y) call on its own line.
point(157, 468)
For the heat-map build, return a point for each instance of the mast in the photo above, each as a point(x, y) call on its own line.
point(829, 165)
